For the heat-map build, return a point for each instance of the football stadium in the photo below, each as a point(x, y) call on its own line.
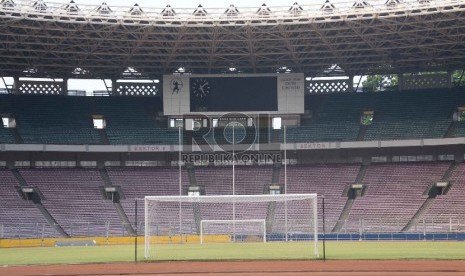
point(308, 139)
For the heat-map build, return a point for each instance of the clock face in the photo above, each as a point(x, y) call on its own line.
point(201, 87)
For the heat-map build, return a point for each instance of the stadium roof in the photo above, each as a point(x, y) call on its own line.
point(45, 39)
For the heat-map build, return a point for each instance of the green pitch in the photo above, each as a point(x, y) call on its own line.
point(248, 251)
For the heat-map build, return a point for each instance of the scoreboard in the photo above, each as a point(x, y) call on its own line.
point(219, 94)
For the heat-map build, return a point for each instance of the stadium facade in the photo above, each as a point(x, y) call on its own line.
point(256, 83)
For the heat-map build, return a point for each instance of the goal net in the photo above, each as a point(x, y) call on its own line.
point(249, 230)
point(255, 220)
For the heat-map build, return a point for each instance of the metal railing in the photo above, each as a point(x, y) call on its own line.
point(76, 229)
point(147, 15)
point(352, 229)
point(395, 225)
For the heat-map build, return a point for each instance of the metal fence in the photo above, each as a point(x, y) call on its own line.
point(79, 229)
point(396, 225)
point(365, 229)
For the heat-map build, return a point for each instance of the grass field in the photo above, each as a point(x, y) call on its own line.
point(249, 251)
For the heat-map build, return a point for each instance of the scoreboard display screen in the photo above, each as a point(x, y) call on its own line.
point(224, 94)
point(247, 93)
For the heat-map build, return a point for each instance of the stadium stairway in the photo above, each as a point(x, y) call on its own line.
point(272, 205)
point(429, 201)
point(452, 129)
point(36, 199)
point(448, 208)
point(103, 136)
point(361, 132)
point(15, 133)
point(350, 202)
point(117, 204)
point(193, 183)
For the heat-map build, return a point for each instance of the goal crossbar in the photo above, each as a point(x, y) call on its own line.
point(232, 198)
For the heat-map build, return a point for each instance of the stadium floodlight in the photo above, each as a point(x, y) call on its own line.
point(252, 219)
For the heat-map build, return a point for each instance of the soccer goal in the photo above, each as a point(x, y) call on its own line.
point(270, 223)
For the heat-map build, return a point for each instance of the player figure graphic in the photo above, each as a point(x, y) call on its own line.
point(175, 87)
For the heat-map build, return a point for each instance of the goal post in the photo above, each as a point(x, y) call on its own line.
point(252, 219)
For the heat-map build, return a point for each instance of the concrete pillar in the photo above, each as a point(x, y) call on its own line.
point(16, 85)
point(114, 87)
point(400, 78)
point(351, 84)
point(64, 87)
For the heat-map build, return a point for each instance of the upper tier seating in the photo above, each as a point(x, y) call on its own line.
point(131, 121)
point(6, 137)
point(336, 117)
point(413, 114)
point(397, 115)
point(51, 119)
